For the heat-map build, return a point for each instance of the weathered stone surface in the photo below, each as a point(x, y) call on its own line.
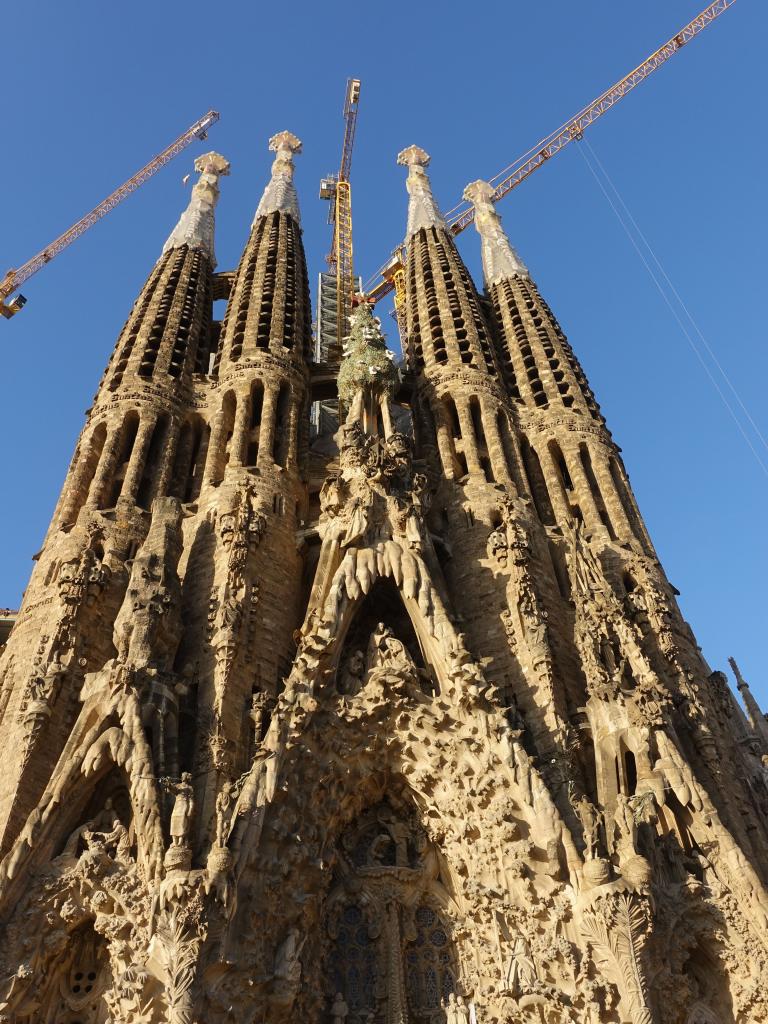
point(398, 727)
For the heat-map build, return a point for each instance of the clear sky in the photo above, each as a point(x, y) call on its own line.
point(93, 90)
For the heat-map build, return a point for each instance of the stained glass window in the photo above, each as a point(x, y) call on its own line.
point(428, 968)
point(354, 962)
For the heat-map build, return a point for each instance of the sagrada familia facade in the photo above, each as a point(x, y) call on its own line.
point(397, 723)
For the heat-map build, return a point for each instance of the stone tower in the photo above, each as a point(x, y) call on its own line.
point(395, 725)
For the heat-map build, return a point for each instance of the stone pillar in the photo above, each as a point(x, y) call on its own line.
point(215, 454)
point(584, 492)
point(240, 429)
point(265, 458)
point(138, 456)
point(552, 478)
point(621, 523)
point(78, 479)
point(444, 441)
point(293, 439)
point(501, 471)
point(386, 417)
point(106, 467)
point(163, 485)
point(468, 439)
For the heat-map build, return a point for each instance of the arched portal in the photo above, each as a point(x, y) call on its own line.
point(390, 953)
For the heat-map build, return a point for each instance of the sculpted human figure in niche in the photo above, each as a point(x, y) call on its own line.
point(287, 962)
point(339, 1010)
point(224, 805)
point(351, 674)
point(521, 972)
point(183, 809)
point(386, 652)
point(116, 841)
point(624, 826)
point(590, 820)
point(456, 1010)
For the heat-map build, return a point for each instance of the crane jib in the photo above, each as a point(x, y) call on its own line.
point(15, 278)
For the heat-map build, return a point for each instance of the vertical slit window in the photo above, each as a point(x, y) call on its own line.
point(537, 484)
point(152, 463)
point(114, 485)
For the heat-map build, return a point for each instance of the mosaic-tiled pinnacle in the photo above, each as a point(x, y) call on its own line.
point(196, 225)
point(423, 211)
point(499, 258)
point(280, 193)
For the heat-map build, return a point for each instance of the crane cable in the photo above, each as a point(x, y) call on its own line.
point(665, 296)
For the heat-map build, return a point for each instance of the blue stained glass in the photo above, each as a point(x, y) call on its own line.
point(354, 962)
point(431, 993)
point(428, 959)
point(449, 984)
point(425, 916)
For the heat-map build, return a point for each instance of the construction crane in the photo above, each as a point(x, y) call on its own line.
point(15, 278)
point(392, 273)
point(337, 189)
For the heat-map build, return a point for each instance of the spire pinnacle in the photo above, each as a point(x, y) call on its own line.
point(196, 224)
point(280, 194)
point(422, 208)
point(499, 258)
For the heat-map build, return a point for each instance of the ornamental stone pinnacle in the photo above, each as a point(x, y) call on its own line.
point(197, 224)
point(280, 193)
point(499, 258)
point(423, 211)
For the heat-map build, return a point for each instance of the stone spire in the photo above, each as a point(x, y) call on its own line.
point(499, 258)
point(422, 208)
point(280, 194)
point(755, 715)
point(196, 225)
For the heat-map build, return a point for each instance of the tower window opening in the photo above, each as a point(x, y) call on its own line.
point(594, 487)
point(221, 456)
point(85, 472)
point(453, 418)
point(157, 330)
point(256, 402)
point(560, 571)
point(152, 463)
point(630, 772)
point(136, 319)
point(114, 486)
point(477, 423)
point(537, 485)
point(507, 444)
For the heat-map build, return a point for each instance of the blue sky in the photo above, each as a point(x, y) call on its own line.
point(93, 90)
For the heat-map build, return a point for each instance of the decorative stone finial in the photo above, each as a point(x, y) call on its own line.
point(413, 156)
point(280, 194)
point(422, 208)
point(499, 258)
point(740, 680)
point(196, 224)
